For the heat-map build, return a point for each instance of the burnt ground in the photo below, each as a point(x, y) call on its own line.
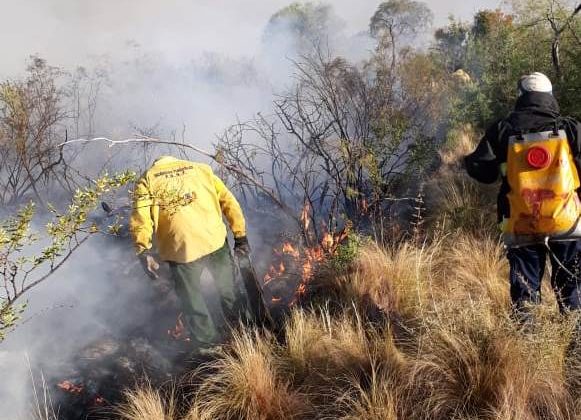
point(156, 350)
point(152, 347)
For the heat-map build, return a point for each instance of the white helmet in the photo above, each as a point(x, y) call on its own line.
point(535, 82)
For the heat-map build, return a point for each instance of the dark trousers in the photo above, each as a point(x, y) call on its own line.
point(527, 266)
point(205, 328)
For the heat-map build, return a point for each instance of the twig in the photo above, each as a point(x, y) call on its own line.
point(46, 310)
point(52, 270)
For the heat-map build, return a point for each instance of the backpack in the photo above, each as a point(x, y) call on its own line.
point(543, 181)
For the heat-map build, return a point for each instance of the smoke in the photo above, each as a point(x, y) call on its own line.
point(68, 32)
point(178, 66)
point(170, 80)
point(92, 297)
point(172, 69)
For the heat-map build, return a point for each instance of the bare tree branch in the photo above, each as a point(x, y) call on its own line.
point(214, 157)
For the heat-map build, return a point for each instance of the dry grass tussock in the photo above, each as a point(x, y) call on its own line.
point(458, 202)
point(247, 381)
point(424, 331)
point(145, 403)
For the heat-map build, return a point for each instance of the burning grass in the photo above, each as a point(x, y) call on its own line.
point(297, 262)
point(408, 332)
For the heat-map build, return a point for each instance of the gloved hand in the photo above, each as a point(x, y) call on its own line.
point(241, 247)
point(149, 264)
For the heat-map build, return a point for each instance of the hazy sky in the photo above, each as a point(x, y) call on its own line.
point(67, 32)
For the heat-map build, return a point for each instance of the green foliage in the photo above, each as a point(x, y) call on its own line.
point(498, 48)
point(308, 23)
point(346, 253)
point(9, 316)
point(489, 22)
point(400, 18)
point(23, 265)
point(395, 24)
point(471, 105)
point(31, 120)
point(451, 44)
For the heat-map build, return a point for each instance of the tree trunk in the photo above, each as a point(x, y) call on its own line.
point(556, 57)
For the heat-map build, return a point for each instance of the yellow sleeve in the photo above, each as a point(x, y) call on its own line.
point(230, 208)
point(141, 222)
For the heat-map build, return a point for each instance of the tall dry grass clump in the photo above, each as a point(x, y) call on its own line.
point(475, 367)
point(377, 400)
point(146, 403)
point(395, 279)
point(414, 331)
point(474, 270)
point(455, 202)
point(318, 346)
point(246, 381)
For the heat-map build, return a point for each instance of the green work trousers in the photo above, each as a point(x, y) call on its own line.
point(205, 326)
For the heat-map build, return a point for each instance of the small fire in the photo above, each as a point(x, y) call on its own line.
point(305, 260)
point(302, 289)
point(274, 272)
point(179, 332)
point(288, 248)
point(328, 241)
point(71, 387)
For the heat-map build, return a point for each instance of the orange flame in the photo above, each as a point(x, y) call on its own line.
point(302, 289)
point(305, 260)
point(71, 388)
point(328, 241)
point(99, 401)
point(288, 248)
point(274, 272)
point(179, 331)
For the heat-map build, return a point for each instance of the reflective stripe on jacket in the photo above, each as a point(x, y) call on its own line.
point(180, 205)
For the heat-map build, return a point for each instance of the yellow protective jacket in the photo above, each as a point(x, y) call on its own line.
point(180, 205)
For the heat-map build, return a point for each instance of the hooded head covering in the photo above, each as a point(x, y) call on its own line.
point(536, 107)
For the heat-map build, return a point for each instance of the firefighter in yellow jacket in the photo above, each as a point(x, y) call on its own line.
point(180, 206)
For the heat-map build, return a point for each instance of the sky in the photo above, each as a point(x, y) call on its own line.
point(68, 32)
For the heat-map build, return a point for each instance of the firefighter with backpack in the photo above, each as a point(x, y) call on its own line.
point(537, 154)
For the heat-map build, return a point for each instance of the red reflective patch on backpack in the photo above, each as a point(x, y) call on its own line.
point(538, 157)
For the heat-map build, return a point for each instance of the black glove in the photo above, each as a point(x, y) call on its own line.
point(149, 264)
point(241, 247)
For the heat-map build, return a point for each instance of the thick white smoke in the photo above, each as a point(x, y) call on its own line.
point(68, 32)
